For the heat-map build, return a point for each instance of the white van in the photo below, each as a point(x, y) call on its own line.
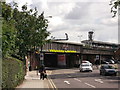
point(86, 67)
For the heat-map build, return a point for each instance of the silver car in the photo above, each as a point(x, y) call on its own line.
point(107, 70)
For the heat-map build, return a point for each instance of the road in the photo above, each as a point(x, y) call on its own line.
point(72, 78)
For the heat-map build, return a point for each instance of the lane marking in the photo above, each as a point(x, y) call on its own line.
point(53, 84)
point(77, 79)
point(98, 80)
point(90, 85)
point(69, 76)
point(53, 87)
point(67, 82)
point(50, 83)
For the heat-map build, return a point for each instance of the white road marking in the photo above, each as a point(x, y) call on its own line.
point(52, 84)
point(77, 79)
point(90, 85)
point(67, 82)
point(69, 76)
point(98, 80)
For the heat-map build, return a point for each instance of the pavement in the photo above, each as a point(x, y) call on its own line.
point(32, 80)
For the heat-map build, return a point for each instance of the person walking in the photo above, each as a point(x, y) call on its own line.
point(42, 71)
point(97, 63)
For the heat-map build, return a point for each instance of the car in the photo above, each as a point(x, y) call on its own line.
point(117, 61)
point(86, 67)
point(107, 70)
point(85, 61)
point(110, 61)
point(104, 62)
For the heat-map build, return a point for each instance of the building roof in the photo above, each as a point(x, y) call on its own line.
point(68, 42)
point(100, 42)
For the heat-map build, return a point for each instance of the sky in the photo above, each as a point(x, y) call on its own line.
point(77, 18)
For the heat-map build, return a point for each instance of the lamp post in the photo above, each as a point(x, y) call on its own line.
point(41, 49)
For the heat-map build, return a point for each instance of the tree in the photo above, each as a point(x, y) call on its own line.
point(26, 29)
point(8, 31)
point(115, 6)
point(32, 29)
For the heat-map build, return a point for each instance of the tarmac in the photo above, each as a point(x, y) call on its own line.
point(32, 81)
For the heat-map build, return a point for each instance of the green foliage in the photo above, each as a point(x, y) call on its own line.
point(12, 72)
point(115, 4)
point(23, 31)
point(8, 38)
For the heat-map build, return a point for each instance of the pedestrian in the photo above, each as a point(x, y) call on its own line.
point(45, 74)
point(42, 71)
point(97, 63)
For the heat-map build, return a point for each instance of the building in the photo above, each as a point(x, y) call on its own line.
point(117, 54)
point(93, 50)
point(62, 54)
point(97, 50)
point(69, 54)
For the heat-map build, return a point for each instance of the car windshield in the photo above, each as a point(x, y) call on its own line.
point(108, 67)
point(85, 65)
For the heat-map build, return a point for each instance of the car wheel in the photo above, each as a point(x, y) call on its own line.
point(90, 70)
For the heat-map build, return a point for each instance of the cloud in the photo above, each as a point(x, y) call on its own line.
point(109, 21)
point(80, 10)
point(21, 3)
point(77, 17)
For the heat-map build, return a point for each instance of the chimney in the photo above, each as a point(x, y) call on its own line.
point(90, 35)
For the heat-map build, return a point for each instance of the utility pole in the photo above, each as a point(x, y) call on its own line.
point(41, 48)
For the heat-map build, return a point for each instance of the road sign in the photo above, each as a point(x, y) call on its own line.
point(41, 56)
point(97, 56)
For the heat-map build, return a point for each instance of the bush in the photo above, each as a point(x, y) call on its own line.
point(13, 72)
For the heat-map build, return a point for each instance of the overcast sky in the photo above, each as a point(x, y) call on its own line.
point(77, 18)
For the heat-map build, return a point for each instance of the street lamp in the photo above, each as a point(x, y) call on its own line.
point(41, 49)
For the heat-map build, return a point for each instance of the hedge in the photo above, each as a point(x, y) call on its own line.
point(13, 72)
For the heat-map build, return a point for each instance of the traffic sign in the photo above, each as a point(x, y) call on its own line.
point(41, 56)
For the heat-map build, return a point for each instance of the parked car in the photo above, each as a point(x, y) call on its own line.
point(85, 61)
point(107, 69)
point(104, 62)
point(110, 61)
point(86, 67)
point(116, 62)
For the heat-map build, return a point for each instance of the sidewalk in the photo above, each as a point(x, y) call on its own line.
point(32, 80)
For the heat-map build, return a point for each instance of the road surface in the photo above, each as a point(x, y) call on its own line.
point(72, 78)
